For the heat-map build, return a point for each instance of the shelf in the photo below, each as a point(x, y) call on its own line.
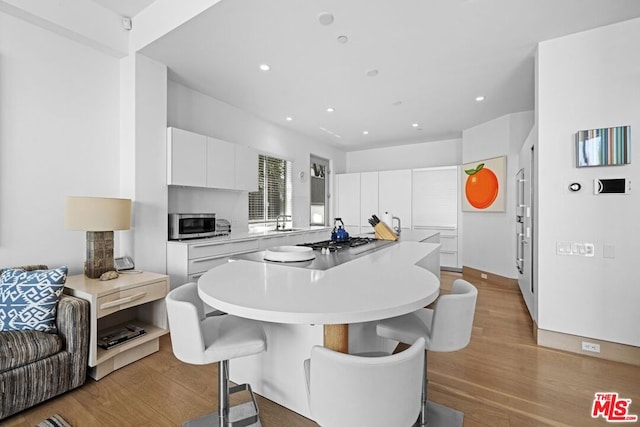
point(152, 332)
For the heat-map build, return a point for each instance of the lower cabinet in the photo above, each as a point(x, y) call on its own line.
point(448, 246)
point(187, 261)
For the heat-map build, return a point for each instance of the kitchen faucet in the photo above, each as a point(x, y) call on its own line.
point(284, 219)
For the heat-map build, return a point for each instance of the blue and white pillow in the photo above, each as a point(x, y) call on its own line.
point(28, 299)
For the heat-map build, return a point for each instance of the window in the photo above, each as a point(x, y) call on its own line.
point(273, 197)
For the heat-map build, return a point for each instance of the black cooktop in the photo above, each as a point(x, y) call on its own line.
point(328, 254)
point(352, 242)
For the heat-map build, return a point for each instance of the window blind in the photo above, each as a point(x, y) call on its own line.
point(274, 195)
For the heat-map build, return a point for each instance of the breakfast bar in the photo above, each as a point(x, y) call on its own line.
point(302, 307)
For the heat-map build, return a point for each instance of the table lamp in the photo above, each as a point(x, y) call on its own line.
point(98, 216)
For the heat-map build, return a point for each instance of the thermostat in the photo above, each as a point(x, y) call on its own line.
point(612, 186)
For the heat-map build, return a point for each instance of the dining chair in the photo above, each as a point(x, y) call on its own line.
point(447, 327)
point(346, 390)
point(199, 340)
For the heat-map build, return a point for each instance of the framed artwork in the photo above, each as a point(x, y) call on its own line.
point(603, 147)
point(484, 185)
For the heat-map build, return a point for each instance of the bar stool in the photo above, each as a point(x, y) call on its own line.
point(445, 328)
point(346, 390)
point(200, 340)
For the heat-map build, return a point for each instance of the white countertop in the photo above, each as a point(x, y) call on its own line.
point(405, 235)
point(384, 284)
point(250, 235)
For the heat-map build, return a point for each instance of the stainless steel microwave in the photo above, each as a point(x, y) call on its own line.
point(191, 225)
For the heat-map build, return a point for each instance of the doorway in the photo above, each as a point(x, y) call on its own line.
point(319, 188)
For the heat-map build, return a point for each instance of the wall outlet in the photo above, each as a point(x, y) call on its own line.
point(589, 346)
point(483, 275)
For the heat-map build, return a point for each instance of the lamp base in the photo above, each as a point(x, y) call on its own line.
point(99, 253)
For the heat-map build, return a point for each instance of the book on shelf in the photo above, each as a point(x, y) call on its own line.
point(119, 335)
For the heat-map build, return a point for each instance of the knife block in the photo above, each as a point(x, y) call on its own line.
point(382, 231)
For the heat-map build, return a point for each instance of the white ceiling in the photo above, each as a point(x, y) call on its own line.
point(128, 8)
point(433, 57)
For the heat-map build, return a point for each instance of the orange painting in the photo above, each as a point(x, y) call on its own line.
point(484, 185)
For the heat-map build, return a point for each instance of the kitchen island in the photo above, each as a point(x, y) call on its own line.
point(296, 304)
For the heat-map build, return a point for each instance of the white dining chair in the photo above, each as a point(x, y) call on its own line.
point(200, 340)
point(346, 390)
point(445, 328)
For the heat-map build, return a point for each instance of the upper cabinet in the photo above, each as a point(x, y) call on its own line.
point(348, 206)
point(221, 164)
point(368, 199)
point(435, 208)
point(394, 194)
point(186, 158)
point(201, 161)
point(435, 197)
point(423, 199)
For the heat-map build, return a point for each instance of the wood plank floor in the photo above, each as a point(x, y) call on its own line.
point(501, 379)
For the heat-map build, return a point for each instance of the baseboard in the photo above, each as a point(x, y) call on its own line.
point(573, 343)
point(489, 277)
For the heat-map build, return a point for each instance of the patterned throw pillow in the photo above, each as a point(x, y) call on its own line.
point(28, 299)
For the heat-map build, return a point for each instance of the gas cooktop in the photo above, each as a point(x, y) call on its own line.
point(332, 246)
point(328, 253)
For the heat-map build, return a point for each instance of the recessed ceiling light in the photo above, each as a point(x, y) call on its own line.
point(395, 104)
point(415, 125)
point(479, 98)
point(343, 39)
point(289, 118)
point(372, 73)
point(330, 109)
point(365, 132)
point(265, 67)
point(325, 18)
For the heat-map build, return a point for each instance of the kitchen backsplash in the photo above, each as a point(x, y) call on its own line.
point(230, 205)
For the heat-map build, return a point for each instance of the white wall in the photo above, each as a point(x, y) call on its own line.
point(144, 157)
point(196, 112)
point(588, 80)
point(59, 136)
point(411, 156)
point(489, 237)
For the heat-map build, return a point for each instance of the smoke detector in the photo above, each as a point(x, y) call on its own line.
point(325, 18)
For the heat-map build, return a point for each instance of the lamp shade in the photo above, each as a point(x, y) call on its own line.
point(97, 214)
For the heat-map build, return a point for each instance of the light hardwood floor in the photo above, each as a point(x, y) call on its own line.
point(501, 379)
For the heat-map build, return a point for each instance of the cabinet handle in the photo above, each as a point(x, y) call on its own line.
point(225, 255)
point(121, 301)
point(435, 227)
point(209, 258)
point(206, 245)
point(221, 242)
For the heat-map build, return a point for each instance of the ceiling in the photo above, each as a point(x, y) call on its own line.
point(432, 59)
point(126, 8)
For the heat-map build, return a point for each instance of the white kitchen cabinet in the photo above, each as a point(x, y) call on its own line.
point(246, 168)
point(201, 161)
point(435, 208)
point(186, 158)
point(394, 194)
point(368, 199)
point(221, 164)
point(187, 261)
point(348, 205)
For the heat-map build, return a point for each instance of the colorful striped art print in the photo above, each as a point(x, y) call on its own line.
point(603, 147)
